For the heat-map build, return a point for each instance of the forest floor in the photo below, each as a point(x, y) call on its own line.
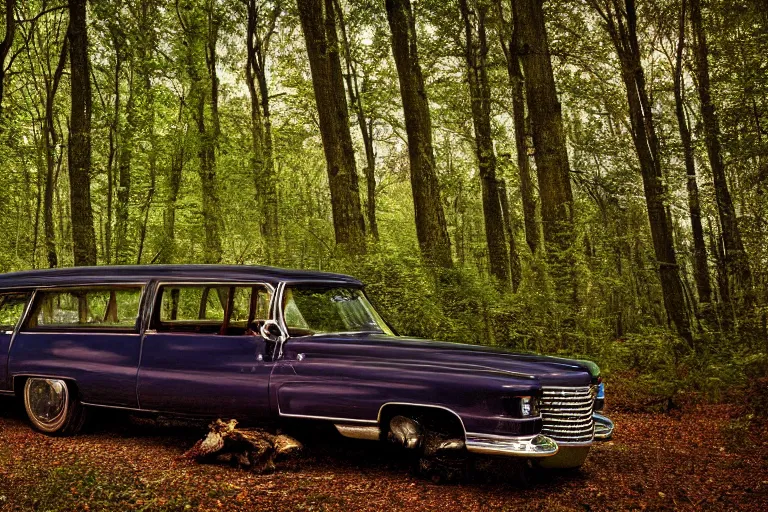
point(697, 458)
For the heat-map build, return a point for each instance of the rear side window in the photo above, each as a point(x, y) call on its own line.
point(214, 308)
point(11, 308)
point(87, 308)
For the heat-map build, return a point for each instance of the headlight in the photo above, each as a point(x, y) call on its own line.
point(529, 406)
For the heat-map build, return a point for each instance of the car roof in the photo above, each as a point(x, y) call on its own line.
point(74, 276)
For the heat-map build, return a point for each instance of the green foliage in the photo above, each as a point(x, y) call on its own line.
point(617, 316)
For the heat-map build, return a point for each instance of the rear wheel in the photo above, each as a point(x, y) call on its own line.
point(52, 406)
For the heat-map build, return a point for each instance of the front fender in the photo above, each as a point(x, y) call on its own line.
point(353, 390)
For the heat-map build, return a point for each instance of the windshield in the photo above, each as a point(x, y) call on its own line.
point(311, 310)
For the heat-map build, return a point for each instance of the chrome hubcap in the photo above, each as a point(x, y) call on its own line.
point(46, 400)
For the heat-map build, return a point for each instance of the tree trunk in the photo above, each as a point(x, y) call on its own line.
point(201, 34)
point(475, 55)
point(736, 260)
point(83, 235)
point(515, 270)
point(318, 21)
point(431, 228)
point(257, 45)
point(51, 140)
point(114, 129)
point(145, 105)
point(126, 138)
point(178, 158)
point(364, 123)
point(621, 23)
point(551, 155)
point(5, 48)
point(509, 44)
point(700, 269)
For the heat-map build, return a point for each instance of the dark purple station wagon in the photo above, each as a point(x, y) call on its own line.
point(268, 344)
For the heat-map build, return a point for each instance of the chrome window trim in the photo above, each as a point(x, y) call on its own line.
point(17, 329)
point(150, 329)
point(279, 318)
point(143, 285)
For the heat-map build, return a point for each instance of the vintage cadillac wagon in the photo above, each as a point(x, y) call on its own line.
point(267, 344)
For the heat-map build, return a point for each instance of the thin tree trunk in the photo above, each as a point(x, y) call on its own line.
point(476, 55)
point(431, 227)
point(51, 140)
point(551, 155)
point(318, 21)
point(201, 33)
point(621, 23)
point(178, 158)
point(509, 44)
point(83, 235)
point(5, 48)
point(700, 269)
point(365, 125)
point(114, 128)
point(125, 159)
point(737, 263)
point(257, 45)
point(515, 269)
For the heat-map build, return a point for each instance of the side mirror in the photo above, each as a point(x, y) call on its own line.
point(271, 331)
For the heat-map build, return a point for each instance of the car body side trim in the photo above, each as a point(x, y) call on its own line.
point(102, 406)
point(326, 418)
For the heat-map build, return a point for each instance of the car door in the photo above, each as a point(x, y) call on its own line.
point(203, 353)
point(87, 334)
point(12, 306)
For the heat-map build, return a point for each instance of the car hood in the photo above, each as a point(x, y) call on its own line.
point(550, 371)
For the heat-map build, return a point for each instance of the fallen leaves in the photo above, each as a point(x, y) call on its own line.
point(656, 461)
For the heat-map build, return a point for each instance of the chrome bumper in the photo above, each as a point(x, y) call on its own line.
point(530, 446)
point(603, 428)
point(533, 446)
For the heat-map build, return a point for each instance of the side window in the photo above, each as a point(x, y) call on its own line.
point(11, 308)
point(214, 308)
point(89, 308)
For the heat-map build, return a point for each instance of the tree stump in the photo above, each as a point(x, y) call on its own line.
point(249, 448)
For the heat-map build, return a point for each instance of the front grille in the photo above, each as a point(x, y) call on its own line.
point(566, 414)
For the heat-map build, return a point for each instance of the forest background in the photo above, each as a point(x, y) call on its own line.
point(580, 177)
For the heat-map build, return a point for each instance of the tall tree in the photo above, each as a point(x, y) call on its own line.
point(6, 44)
point(510, 47)
point(79, 151)
point(431, 228)
point(700, 268)
point(551, 154)
point(474, 14)
point(261, 25)
point(318, 21)
point(42, 47)
point(736, 261)
point(125, 139)
point(621, 24)
point(201, 32)
point(364, 122)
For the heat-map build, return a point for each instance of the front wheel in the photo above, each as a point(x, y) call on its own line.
point(52, 406)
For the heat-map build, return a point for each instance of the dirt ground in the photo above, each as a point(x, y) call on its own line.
point(695, 459)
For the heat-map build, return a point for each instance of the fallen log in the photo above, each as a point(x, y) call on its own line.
point(249, 448)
